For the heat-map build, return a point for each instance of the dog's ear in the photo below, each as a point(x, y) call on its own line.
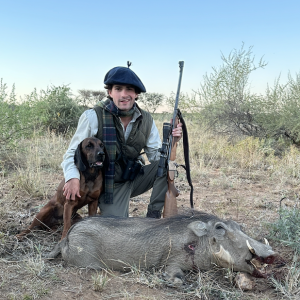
point(78, 159)
point(106, 161)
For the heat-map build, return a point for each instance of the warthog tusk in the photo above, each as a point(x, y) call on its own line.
point(250, 248)
point(225, 256)
point(266, 242)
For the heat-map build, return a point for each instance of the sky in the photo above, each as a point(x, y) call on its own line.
point(75, 43)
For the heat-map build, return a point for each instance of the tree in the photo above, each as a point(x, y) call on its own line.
point(281, 109)
point(151, 101)
point(228, 106)
point(89, 98)
point(186, 103)
point(225, 98)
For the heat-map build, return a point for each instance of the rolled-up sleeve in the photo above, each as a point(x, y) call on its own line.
point(87, 127)
point(153, 144)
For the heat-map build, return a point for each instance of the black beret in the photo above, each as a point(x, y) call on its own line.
point(122, 75)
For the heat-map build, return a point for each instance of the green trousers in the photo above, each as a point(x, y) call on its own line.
point(141, 184)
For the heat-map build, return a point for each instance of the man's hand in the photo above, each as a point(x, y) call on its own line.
point(177, 132)
point(72, 189)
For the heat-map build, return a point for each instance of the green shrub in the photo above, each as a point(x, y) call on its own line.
point(228, 106)
point(16, 119)
point(286, 230)
point(56, 109)
point(280, 110)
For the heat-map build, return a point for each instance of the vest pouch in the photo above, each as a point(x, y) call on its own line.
point(133, 167)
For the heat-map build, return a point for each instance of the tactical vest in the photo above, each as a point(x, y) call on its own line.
point(135, 143)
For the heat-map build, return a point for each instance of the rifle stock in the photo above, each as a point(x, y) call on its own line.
point(170, 207)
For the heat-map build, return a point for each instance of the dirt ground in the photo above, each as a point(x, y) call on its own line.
point(250, 199)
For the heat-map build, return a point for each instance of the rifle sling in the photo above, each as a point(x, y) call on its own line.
point(186, 155)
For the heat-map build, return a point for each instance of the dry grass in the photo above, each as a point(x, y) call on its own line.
point(32, 161)
point(290, 286)
point(243, 181)
point(99, 281)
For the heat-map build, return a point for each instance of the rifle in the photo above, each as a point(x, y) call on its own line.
point(168, 156)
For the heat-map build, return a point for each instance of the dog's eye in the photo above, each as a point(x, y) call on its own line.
point(89, 145)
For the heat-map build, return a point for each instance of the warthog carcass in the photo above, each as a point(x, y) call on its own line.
point(179, 243)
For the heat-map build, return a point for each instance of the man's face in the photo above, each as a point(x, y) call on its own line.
point(123, 96)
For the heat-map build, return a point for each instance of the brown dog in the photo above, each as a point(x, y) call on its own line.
point(89, 158)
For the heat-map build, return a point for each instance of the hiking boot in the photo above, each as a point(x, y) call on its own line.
point(156, 214)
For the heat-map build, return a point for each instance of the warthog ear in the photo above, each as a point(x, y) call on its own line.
point(78, 159)
point(198, 227)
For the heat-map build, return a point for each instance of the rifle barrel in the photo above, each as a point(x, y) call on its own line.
point(181, 64)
